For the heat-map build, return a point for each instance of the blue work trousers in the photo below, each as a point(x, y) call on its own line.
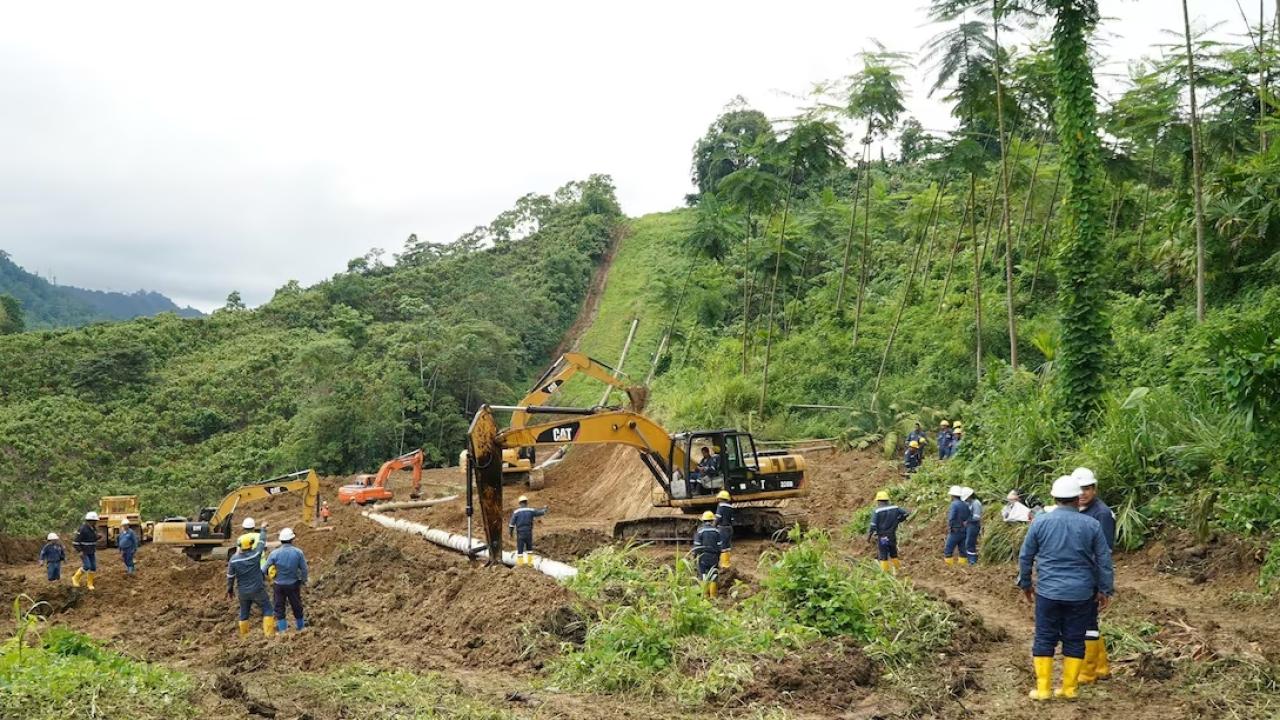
point(1061, 621)
point(89, 561)
point(53, 570)
point(524, 542)
point(971, 533)
point(708, 566)
point(955, 542)
point(127, 556)
point(259, 598)
point(887, 547)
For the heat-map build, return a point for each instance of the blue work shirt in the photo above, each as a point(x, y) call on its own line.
point(522, 519)
point(724, 513)
point(53, 552)
point(706, 541)
point(944, 443)
point(1071, 558)
point(290, 564)
point(958, 515)
point(1099, 511)
point(885, 520)
point(245, 568)
point(975, 511)
point(127, 541)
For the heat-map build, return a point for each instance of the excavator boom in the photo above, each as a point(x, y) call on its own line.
point(565, 368)
point(374, 488)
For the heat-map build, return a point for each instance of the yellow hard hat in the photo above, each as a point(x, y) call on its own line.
point(246, 542)
point(944, 423)
point(958, 426)
point(708, 515)
point(882, 495)
point(723, 494)
point(914, 444)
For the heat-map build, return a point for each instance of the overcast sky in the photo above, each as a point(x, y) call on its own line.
point(199, 148)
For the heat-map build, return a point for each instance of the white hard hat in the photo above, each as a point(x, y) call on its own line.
point(955, 490)
point(52, 536)
point(248, 524)
point(966, 492)
point(1012, 496)
point(124, 521)
point(91, 515)
point(1065, 488)
point(1084, 476)
point(286, 535)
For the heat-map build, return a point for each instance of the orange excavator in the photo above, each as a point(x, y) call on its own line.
point(373, 488)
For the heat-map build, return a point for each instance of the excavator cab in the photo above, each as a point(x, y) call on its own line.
point(728, 463)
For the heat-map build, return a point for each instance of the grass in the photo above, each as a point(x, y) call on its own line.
point(364, 692)
point(654, 635)
point(58, 674)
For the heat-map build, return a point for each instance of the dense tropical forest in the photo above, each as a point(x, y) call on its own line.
point(31, 301)
point(1080, 283)
point(339, 376)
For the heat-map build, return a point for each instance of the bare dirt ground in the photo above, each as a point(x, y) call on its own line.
point(390, 599)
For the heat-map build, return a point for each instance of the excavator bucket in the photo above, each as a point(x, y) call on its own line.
point(638, 396)
point(486, 460)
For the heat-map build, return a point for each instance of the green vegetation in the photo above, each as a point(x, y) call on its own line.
point(339, 376)
point(656, 634)
point(59, 674)
point(45, 305)
point(362, 692)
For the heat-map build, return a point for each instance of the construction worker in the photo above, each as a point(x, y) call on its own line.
point(919, 435)
point(706, 552)
point(912, 457)
point(957, 520)
point(1096, 664)
point(52, 555)
point(1014, 511)
point(944, 440)
point(521, 526)
point(885, 519)
point(127, 544)
point(325, 512)
point(257, 534)
point(724, 523)
point(86, 543)
point(1073, 575)
point(245, 581)
point(973, 528)
point(957, 436)
point(287, 570)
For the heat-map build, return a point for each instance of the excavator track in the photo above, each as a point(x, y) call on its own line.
point(765, 522)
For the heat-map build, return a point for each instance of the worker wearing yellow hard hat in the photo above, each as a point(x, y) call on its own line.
point(945, 438)
point(885, 519)
point(521, 527)
point(706, 553)
point(913, 457)
point(246, 582)
point(724, 523)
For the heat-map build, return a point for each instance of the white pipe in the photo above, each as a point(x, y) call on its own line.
point(444, 538)
point(409, 504)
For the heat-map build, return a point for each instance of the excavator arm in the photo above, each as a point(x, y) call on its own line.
point(305, 480)
point(409, 461)
point(565, 368)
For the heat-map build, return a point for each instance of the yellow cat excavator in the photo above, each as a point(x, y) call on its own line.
point(756, 479)
point(212, 528)
point(518, 463)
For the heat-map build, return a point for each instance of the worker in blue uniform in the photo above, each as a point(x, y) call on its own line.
point(1096, 664)
point(521, 526)
point(957, 521)
point(885, 519)
point(1071, 562)
point(706, 553)
point(724, 523)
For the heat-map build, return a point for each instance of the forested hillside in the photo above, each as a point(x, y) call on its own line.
point(890, 286)
point(46, 305)
point(339, 376)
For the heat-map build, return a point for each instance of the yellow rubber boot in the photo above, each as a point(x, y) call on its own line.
point(243, 628)
point(712, 589)
point(88, 579)
point(1103, 670)
point(75, 579)
point(724, 559)
point(897, 565)
point(268, 626)
point(1070, 678)
point(1044, 678)
point(884, 565)
point(947, 559)
point(1089, 670)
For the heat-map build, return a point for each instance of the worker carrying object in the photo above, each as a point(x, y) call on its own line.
point(52, 555)
point(521, 526)
point(1096, 664)
point(957, 520)
point(1014, 511)
point(912, 458)
point(86, 543)
point(245, 580)
point(944, 440)
point(706, 552)
point(724, 523)
point(1073, 575)
point(127, 544)
point(973, 528)
point(885, 519)
point(287, 570)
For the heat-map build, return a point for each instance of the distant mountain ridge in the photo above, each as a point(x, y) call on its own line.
point(46, 305)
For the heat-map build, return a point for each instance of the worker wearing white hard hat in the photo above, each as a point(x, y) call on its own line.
point(86, 543)
point(521, 526)
point(287, 571)
point(52, 555)
point(1071, 562)
point(972, 528)
point(1096, 663)
point(958, 515)
point(127, 543)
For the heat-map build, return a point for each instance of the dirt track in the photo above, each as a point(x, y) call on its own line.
point(391, 599)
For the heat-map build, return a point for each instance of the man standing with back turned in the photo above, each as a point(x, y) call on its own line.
point(1073, 575)
point(1096, 664)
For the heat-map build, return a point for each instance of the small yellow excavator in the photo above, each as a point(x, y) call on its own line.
point(518, 463)
point(212, 528)
point(756, 479)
